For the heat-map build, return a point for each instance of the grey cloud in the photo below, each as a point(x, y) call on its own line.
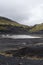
point(22, 11)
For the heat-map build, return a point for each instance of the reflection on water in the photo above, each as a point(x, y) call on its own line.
point(19, 36)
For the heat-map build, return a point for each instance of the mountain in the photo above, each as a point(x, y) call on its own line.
point(37, 29)
point(12, 27)
point(6, 21)
point(9, 26)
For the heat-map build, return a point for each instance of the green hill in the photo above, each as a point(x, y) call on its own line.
point(6, 21)
point(7, 25)
point(36, 28)
point(10, 26)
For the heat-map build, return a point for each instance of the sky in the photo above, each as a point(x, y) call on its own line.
point(27, 12)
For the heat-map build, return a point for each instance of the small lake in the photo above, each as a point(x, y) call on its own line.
point(19, 36)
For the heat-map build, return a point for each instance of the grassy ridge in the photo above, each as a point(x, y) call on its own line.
point(36, 28)
point(5, 23)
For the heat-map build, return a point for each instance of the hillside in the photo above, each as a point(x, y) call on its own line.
point(37, 29)
point(6, 21)
point(9, 26)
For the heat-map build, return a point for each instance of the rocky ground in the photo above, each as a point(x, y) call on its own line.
point(15, 51)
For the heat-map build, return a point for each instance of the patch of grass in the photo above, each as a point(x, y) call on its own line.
point(36, 28)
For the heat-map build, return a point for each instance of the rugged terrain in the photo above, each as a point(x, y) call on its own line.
point(12, 27)
point(28, 51)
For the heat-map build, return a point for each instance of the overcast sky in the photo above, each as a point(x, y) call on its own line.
point(27, 12)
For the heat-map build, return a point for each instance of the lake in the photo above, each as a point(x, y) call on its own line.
point(19, 36)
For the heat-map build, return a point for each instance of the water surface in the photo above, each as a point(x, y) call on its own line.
point(19, 36)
